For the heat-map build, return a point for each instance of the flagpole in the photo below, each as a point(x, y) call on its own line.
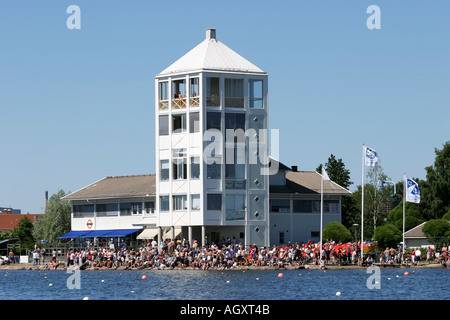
point(362, 205)
point(404, 213)
point(321, 216)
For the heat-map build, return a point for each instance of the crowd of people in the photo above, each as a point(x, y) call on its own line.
point(181, 254)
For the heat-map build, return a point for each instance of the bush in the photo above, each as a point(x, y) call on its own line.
point(337, 232)
point(437, 231)
point(387, 236)
point(447, 216)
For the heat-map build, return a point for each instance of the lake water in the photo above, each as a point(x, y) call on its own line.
point(420, 284)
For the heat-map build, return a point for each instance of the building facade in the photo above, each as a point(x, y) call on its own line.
point(214, 179)
point(211, 105)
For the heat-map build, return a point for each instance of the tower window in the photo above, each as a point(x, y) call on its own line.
point(255, 93)
point(195, 167)
point(235, 207)
point(163, 125)
point(212, 92)
point(164, 203)
point(179, 123)
point(214, 201)
point(194, 124)
point(180, 203)
point(195, 202)
point(194, 100)
point(213, 120)
point(179, 164)
point(164, 173)
point(179, 94)
point(163, 96)
point(234, 93)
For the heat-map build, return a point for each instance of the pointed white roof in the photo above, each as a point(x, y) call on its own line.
point(211, 54)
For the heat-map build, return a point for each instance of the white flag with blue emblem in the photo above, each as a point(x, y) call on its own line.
point(370, 157)
point(412, 190)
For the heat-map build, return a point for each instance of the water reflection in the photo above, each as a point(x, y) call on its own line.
point(226, 285)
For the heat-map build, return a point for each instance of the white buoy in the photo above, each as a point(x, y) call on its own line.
point(228, 281)
point(86, 298)
point(50, 285)
point(103, 280)
point(389, 278)
point(257, 278)
point(338, 293)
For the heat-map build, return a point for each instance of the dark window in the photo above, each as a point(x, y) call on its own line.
point(213, 170)
point(164, 173)
point(84, 210)
point(179, 123)
point(149, 207)
point(235, 121)
point(164, 203)
point(315, 234)
point(331, 206)
point(214, 201)
point(195, 167)
point(107, 209)
point(280, 205)
point(212, 92)
point(306, 206)
point(281, 238)
point(213, 120)
point(303, 206)
point(163, 125)
point(125, 209)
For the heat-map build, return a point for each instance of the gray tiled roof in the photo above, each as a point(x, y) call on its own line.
point(308, 182)
point(301, 182)
point(116, 187)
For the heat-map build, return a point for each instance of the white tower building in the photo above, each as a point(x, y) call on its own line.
point(212, 146)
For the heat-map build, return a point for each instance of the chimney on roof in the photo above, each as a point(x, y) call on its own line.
point(210, 33)
point(294, 168)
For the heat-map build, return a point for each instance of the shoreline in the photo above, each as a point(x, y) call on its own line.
point(24, 266)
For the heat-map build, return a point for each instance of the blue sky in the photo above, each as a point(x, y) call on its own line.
point(78, 105)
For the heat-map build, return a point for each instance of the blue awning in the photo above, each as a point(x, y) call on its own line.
point(99, 233)
point(73, 234)
point(121, 232)
point(96, 233)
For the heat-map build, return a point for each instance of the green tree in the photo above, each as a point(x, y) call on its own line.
point(337, 172)
point(56, 220)
point(376, 201)
point(377, 198)
point(435, 191)
point(413, 217)
point(437, 231)
point(387, 236)
point(24, 231)
point(337, 232)
point(447, 216)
